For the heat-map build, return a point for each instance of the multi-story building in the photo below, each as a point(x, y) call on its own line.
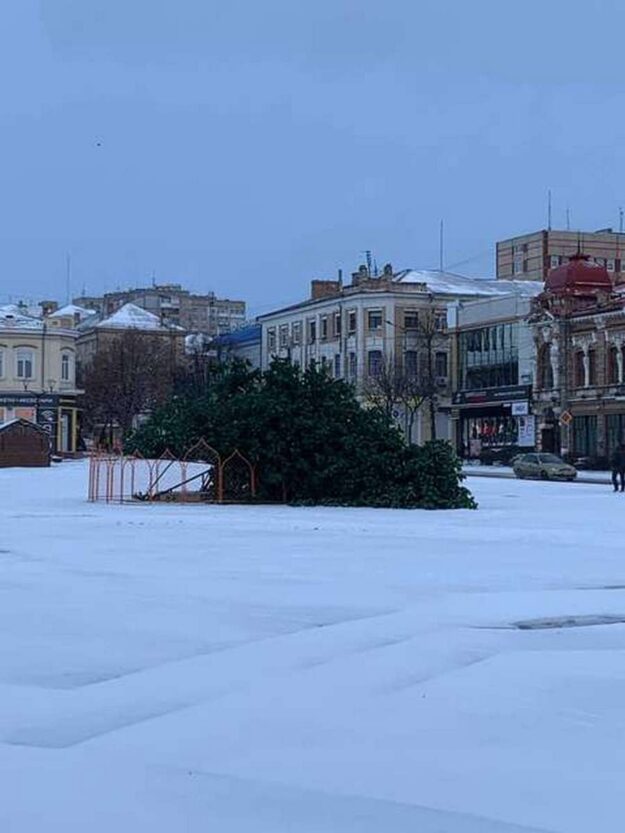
point(38, 376)
point(578, 325)
point(531, 256)
point(94, 335)
point(174, 305)
point(493, 358)
point(353, 330)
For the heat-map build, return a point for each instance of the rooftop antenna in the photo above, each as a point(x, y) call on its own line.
point(441, 245)
point(568, 218)
point(375, 268)
point(620, 219)
point(549, 210)
point(68, 277)
point(369, 262)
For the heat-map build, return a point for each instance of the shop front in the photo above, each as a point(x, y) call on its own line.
point(57, 415)
point(494, 420)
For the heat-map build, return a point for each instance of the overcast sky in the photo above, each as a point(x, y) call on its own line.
point(246, 146)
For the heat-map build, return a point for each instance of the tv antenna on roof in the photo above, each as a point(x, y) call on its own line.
point(549, 209)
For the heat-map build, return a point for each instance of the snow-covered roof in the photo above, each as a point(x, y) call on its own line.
point(132, 317)
point(72, 310)
point(11, 317)
point(448, 283)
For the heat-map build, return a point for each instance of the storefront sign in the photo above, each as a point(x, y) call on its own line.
point(494, 395)
point(520, 408)
point(527, 431)
point(28, 400)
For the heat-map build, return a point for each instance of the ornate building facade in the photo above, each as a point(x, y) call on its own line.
point(578, 325)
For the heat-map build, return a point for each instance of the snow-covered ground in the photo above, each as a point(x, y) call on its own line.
point(263, 670)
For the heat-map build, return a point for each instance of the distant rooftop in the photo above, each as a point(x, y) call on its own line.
point(448, 283)
point(132, 317)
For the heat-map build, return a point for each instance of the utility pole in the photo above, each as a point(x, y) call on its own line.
point(441, 245)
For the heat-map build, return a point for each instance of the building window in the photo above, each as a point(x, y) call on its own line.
point(284, 336)
point(610, 265)
point(297, 333)
point(615, 425)
point(352, 367)
point(440, 321)
point(592, 367)
point(585, 436)
point(554, 260)
point(440, 365)
point(411, 363)
point(411, 320)
point(25, 364)
point(374, 363)
point(545, 370)
point(351, 321)
point(312, 331)
point(337, 366)
point(338, 324)
point(271, 340)
point(612, 368)
point(374, 320)
point(1, 364)
point(580, 372)
point(324, 327)
point(66, 365)
point(489, 357)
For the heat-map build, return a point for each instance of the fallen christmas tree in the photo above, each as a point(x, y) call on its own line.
point(311, 440)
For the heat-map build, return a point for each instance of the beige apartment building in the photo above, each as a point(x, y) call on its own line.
point(531, 256)
point(38, 376)
point(353, 329)
point(174, 305)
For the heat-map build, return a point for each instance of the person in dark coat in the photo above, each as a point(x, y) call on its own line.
point(617, 463)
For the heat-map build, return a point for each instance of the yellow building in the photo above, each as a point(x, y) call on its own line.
point(38, 376)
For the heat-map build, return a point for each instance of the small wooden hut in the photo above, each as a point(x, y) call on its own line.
point(22, 443)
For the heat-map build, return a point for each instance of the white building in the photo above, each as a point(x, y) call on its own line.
point(493, 371)
point(353, 329)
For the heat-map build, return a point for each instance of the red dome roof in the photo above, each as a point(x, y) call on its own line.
point(579, 276)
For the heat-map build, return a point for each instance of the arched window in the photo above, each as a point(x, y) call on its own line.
point(25, 363)
point(592, 367)
point(612, 369)
point(66, 367)
point(545, 370)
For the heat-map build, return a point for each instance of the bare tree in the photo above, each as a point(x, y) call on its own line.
point(430, 338)
point(130, 375)
point(411, 384)
point(384, 387)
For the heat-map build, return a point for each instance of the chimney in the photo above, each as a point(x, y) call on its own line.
point(324, 289)
point(361, 275)
point(388, 270)
point(48, 307)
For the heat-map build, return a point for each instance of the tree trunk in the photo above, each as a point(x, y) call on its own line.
point(432, 419)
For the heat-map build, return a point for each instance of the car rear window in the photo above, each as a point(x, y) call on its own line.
point(550, 458)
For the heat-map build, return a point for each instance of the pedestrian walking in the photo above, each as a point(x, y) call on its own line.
point(617, 464)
